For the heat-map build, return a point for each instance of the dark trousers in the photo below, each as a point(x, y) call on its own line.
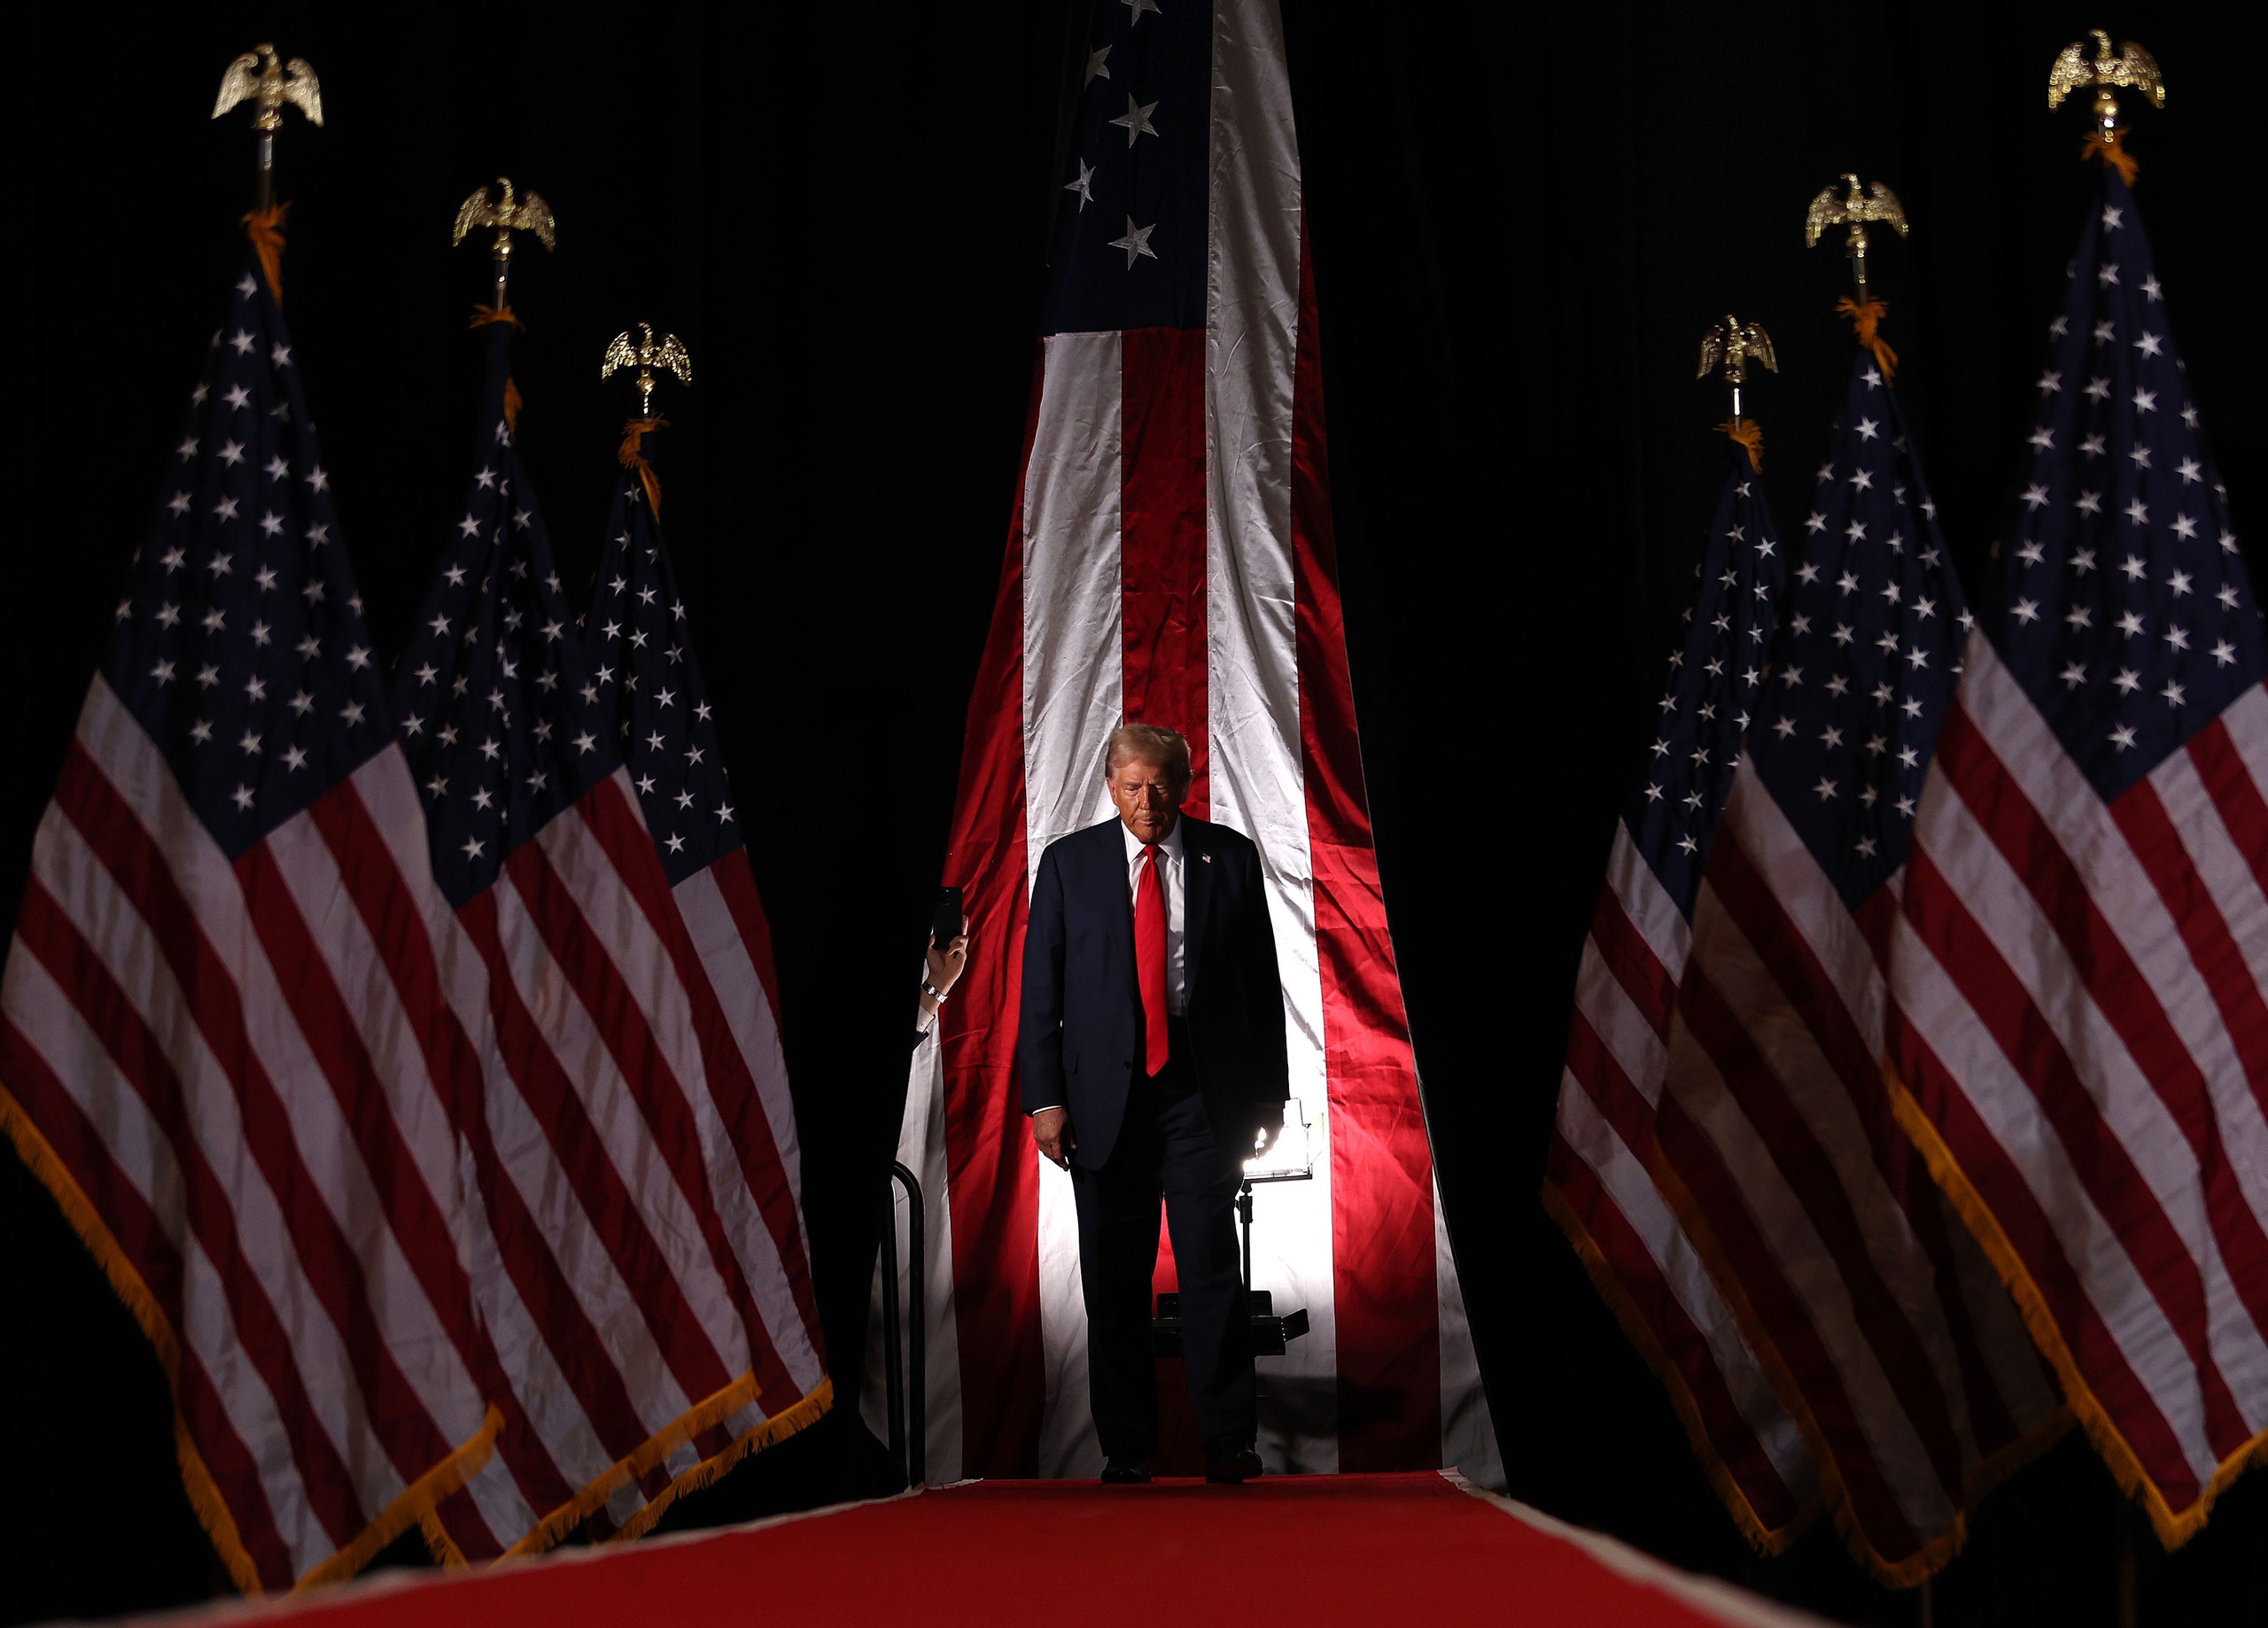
point(1166, 1148)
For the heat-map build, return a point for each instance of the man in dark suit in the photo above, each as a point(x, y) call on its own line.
point(1152, 1046)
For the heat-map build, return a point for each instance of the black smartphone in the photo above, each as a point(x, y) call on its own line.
point(944, 924)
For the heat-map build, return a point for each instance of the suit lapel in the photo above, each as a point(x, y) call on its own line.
point(1196, 898)
point(1110, 880)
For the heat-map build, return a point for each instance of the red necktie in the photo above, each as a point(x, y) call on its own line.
point(1150, 955)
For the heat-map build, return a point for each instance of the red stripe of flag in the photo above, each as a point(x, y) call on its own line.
point(1748, 899)
point(1384, 1294)
point(1162, 540)
point(142, 1239)
point(1618, 1099)
point(2236, 795)
point(1164, 662)
point(303, 977)
point(992, 1174)
point(1809, 1171)
point(613, 1213)
point(45, 930)
point(1990, 1423)
point(380, 897)
point(2029, 1229)
point(1633, 961)
point(1650, 1298)
point(2196, 915)
point(2006, 1012)
point(2124, 997)
point(1786, 1321)
point(587, 960)
point(621, 833)
point(116, 837)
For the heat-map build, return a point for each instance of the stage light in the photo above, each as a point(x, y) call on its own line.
point(1291, 1156)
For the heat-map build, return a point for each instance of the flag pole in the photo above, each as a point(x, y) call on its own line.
point(259, 77)
point(1733, 343)
point(1730, 345)
point(1860, 204)
point(668, 353)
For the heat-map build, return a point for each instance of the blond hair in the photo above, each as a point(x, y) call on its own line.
point(1151, 743)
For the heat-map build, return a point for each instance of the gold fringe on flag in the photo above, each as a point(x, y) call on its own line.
point(413, 1506)
point(2173, 1528)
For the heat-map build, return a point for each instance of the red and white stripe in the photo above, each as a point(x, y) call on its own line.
point(1171, 560)
point(2082, 994)
point(215, 1059)
point(413, 1196)
point(1600, 1184)
point(1888, 1333)
point(637, 1242)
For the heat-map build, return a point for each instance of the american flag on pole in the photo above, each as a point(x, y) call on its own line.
point(213, 1045)
point(1600, 1181)
point(1885, 1330)
point(2081, 965)
point(614, 1257)
point(640, 656)
point(1171, 560)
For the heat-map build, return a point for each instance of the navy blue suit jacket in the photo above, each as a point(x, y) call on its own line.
point(1080, 1038)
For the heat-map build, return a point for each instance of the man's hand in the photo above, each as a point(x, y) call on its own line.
point(1270, 1129)
point(1051, 1128)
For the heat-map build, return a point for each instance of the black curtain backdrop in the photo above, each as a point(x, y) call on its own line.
point(1521, 224)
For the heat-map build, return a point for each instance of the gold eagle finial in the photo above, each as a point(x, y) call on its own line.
point(523, 213)
point(1858, 204)
point(668, 353)
point(1733, 343)
point(257, 74)
point(2132, 68)
point(528, 213)
point(1875, 202)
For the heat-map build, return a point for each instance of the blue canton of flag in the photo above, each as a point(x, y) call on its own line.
point(241, 647)
point(1130, 244)
point(2124, 611)
point(641, 662)
point(1715, 678)
point(502, 726)
point(1869, 654)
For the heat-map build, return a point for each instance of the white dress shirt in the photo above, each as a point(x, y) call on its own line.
point(1171, 876)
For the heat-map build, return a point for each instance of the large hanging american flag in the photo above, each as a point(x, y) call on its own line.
point(1600, 1180)
point(212, 1039)
point(2081, 966)
point(618, 1252)
point(1884, 1329)
point(1171, 560)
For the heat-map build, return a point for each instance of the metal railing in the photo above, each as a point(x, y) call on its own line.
point(908, 1403)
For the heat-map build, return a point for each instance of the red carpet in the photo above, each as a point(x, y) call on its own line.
point(1307, 1551)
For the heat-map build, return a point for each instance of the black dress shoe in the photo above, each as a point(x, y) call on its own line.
point(1231, 1462)
point(1119, 1472)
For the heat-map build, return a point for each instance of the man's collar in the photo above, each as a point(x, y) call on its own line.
point(1171, 846)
